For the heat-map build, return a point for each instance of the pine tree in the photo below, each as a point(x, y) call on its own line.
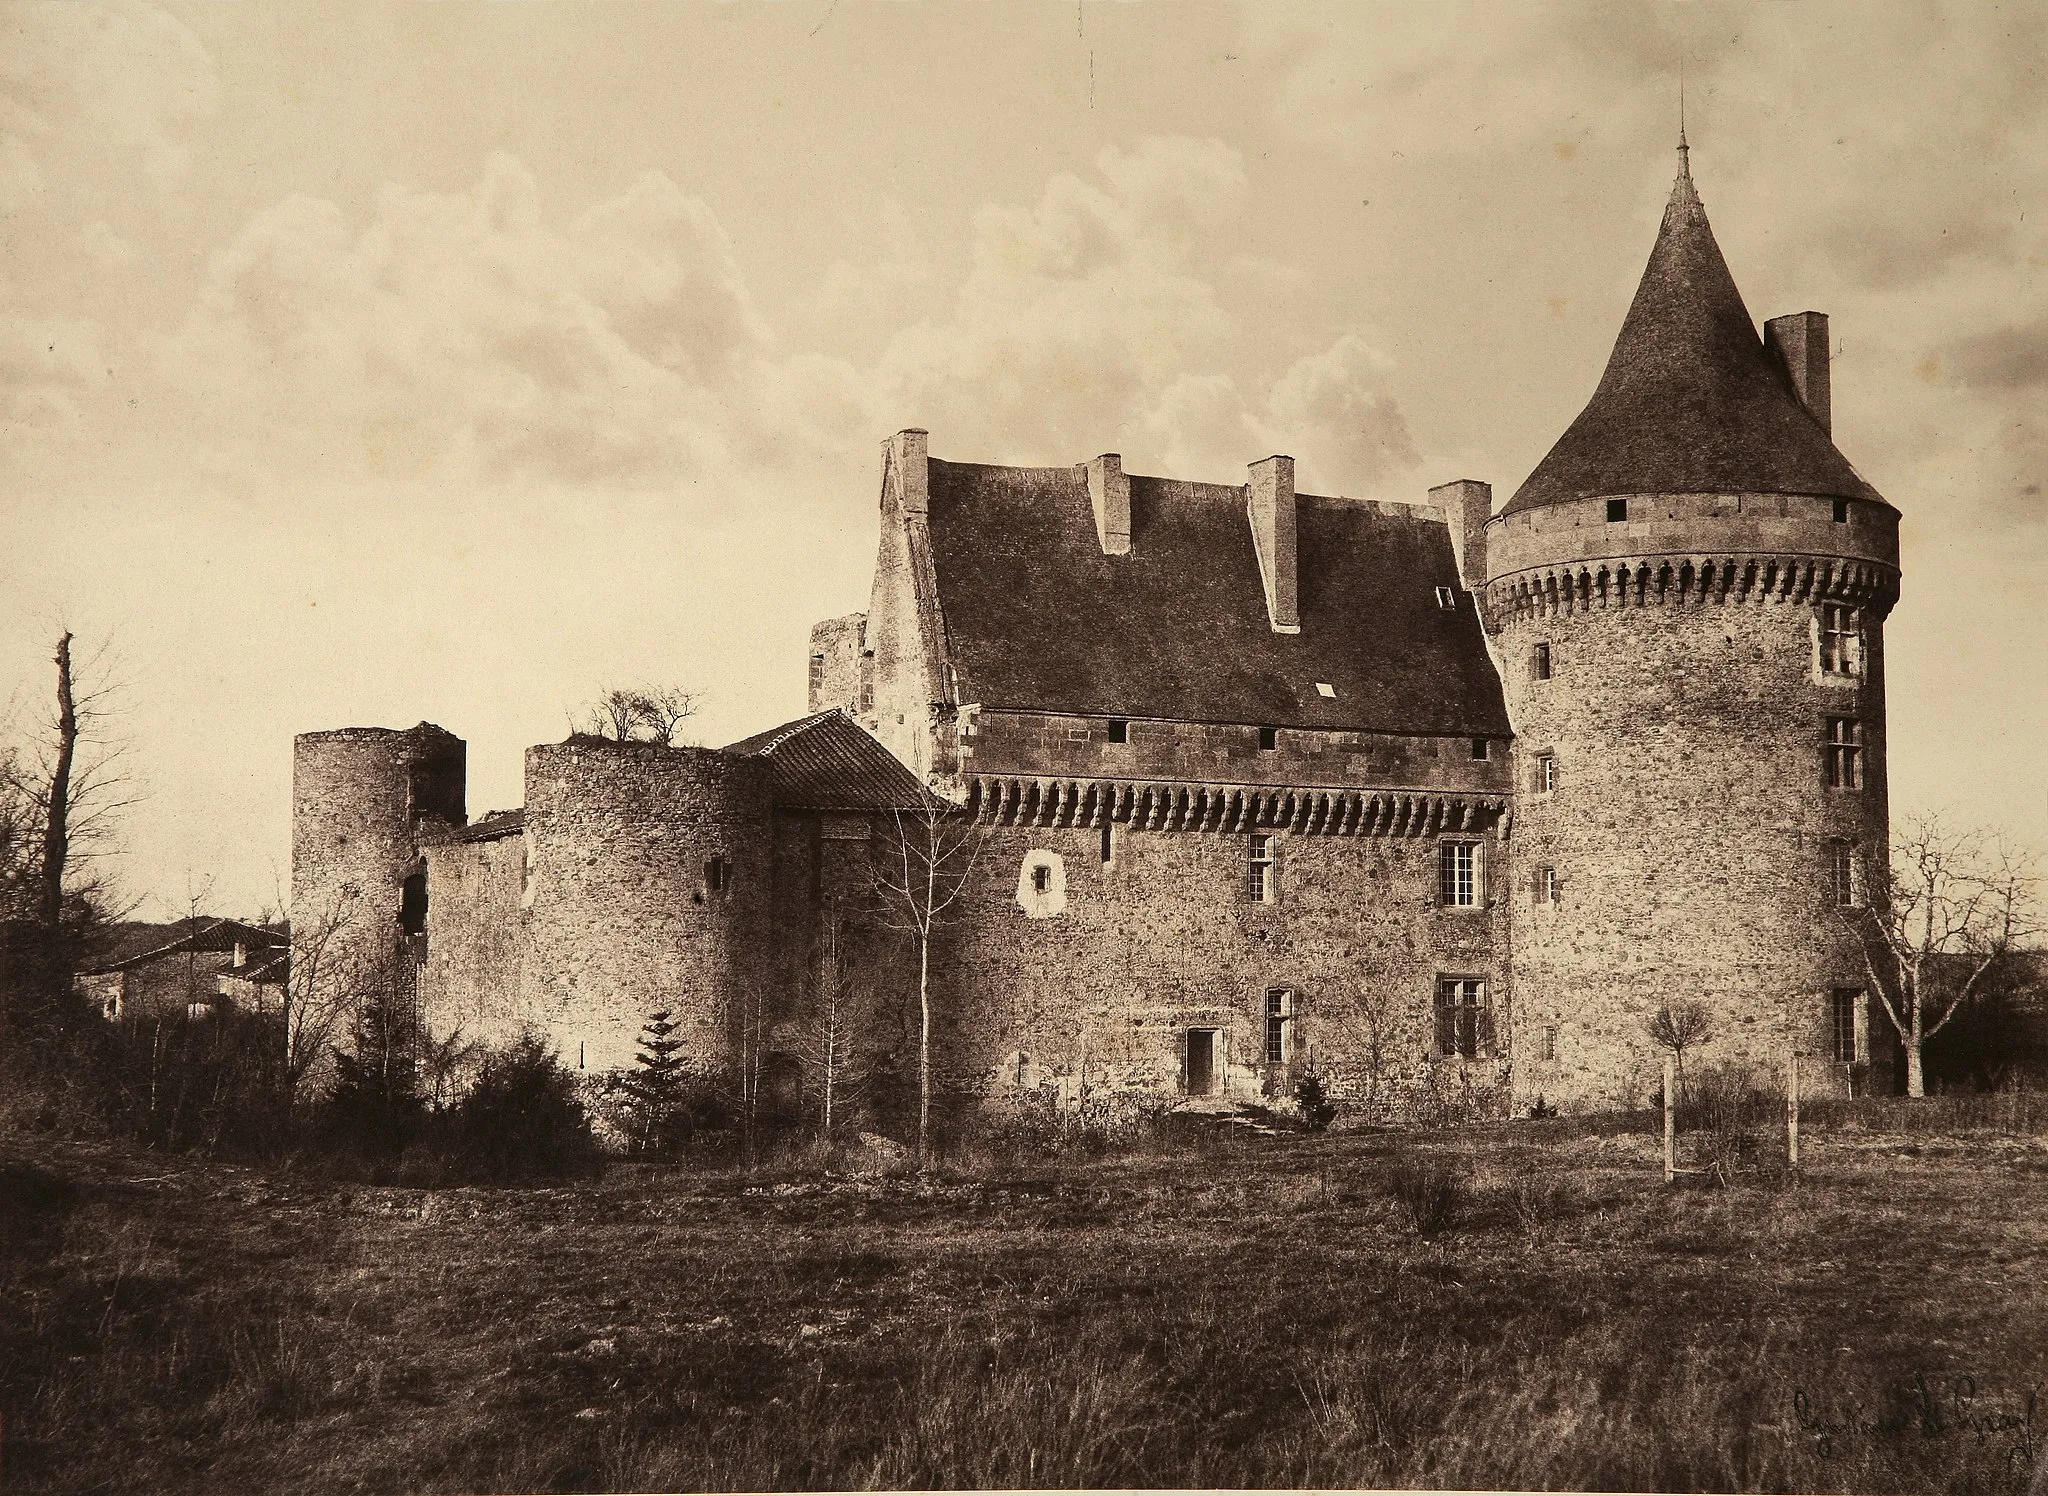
point(655, 1084)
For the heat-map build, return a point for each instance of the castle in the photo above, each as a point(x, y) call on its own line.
point(1424, 798)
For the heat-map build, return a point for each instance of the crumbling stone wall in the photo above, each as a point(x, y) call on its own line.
point(476, 939)
point(839, 666)
point(364, 799)
point(624, 911)
point(1691, 824)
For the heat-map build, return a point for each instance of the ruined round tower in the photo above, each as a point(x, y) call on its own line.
point(648, 883)
point(364, 799)
point(1687, 602)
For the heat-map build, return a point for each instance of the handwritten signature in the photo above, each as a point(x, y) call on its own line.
point(1953, 1409)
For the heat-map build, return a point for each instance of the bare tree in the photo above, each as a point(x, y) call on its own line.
point(324, 989)
point(642, 714)
point(1375, 1009)
point(829, 1040)
point(1679, 1026)
point(663, 710)
point(1953, 904)
point(918, 881)
point(63, 791)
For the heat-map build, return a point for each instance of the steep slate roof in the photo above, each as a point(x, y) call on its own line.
point(1038, 618)
point(827, 761)
point(1692, 401)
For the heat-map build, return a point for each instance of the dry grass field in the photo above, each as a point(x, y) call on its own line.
point(1221, 1309)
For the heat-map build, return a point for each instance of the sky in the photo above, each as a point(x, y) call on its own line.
point(363, 364)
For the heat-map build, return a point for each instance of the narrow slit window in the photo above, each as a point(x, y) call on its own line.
point(718, 874)
point(1041, 879)
point(1845, 753)
point(1539, 662)
point(1108, 843)
point(1546, 773)
point(1842, 879)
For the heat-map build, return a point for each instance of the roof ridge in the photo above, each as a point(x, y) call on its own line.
point(775, 737)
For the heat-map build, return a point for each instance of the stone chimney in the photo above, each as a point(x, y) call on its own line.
point(1110, 492)
point(904, 455)
point(1269, 498)
point(1801, 343)
point(1467, 505)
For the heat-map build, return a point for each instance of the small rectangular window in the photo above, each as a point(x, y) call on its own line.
point(1841, 511)
point(1259, 879)
point(1539, 662)
point(1546, 773)
point(1269, 739)
point(1279, 1009)
point(1480, 750)
point(717, 874)
point(1119, 730)
point(1546, 885)
point(1041, 879)
point(1464, 1022)
point(1547, 1044)
point(1458, 874)
point(1845, 753)
point(1446, 598)
point(1841, 639)
point(1617, 511)
point(1846, 1004)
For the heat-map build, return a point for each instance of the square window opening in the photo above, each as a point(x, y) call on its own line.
point(1617, 511)
point(1269, 739)
point(1480, 749)
point(1119, 730)
point(1841, 511)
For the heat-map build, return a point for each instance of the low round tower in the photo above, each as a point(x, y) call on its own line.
point(363, 801)
point(1687, 601)
point(648, 881)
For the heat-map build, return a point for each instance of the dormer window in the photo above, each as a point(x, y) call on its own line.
point(1326, 690)
point(1446, 598)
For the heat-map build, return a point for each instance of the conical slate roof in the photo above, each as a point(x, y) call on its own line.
point(1692, 401)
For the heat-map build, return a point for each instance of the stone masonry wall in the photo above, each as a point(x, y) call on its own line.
point(1690, 828)
point(1099, 984)
point(839, 675)
point(476, 939)
point(623, 917)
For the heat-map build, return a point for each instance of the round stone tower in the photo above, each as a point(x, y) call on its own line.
point(363, 800)
point(648, 883)
point(1687, 601)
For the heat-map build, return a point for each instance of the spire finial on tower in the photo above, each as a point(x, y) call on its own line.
point(1684, 156)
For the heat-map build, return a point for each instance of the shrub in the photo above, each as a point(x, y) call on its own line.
point(1534, 1202)
point(1431, 1193)
point(1317, 1110)
point(521, 1120)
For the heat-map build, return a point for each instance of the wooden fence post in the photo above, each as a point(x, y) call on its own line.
point(1792, 1108)
point(1670, 1126)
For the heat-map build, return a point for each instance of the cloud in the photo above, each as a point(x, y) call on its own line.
point(465, 334)
point(1092, 319)
point(2013, 357)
